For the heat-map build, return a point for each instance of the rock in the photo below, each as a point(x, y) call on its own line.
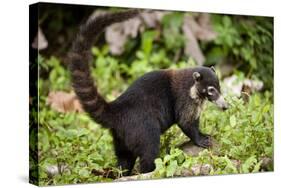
point(200, 169)
point(205, 169)
point(190, 149)
point(236, 163)
point(52, 170)
point(136, 177)
point(186, 172)
point(267, 164)
point(196, 169)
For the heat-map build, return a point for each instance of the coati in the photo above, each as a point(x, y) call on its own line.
point(149, 106)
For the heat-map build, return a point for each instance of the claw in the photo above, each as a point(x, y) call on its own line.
point(205, 142)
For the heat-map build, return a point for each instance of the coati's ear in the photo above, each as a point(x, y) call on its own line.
point(196, 76)
point(213, 69)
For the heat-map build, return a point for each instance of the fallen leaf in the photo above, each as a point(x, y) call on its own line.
point(197, 28)
point(152, 19)
point(240, 87)
point(205, 31)
point(191, 45)
point(64, 102)
point(118, 34)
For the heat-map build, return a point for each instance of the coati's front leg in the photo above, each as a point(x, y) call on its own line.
point(192, 131)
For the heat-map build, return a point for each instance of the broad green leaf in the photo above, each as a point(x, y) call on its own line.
point(232, 120)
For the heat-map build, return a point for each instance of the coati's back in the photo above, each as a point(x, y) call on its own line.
point(149, 96)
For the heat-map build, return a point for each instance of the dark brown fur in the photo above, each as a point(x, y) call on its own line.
point(147, 108)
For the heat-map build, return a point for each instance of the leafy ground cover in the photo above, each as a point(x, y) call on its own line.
point(75, 149)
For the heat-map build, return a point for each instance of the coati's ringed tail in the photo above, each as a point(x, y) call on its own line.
point(79, 57)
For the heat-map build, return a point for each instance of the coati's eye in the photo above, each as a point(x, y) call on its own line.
point(211, 90)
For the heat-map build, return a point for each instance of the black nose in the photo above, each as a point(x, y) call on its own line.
point(225, 107)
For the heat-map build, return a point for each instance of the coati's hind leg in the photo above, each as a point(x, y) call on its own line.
point(125, 158)
point(150, 149)
point(147, 161)
point(126, 161)
point(192, 131)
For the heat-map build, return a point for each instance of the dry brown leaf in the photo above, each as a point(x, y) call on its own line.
point(234, 85)
point(64, 102)
point(195, 30)
point(118, 34)
point(200, 28)
point(191, 45)
point(205, 30)
point(152, 19)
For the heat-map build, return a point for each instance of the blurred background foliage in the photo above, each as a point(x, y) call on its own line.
point(74, 149)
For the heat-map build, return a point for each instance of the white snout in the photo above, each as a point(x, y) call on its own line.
point(221, 103)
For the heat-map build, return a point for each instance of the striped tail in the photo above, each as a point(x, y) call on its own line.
point(79, 58)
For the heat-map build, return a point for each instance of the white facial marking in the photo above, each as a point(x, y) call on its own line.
point(209, 90)
point(195, 112)
point(193, 92)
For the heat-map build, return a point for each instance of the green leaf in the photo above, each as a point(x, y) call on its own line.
point(232, 120)
point(171, 169)
point(227, 21)
point(248, 164)
point(84, 173)
point(257, 167)
point(147, 41)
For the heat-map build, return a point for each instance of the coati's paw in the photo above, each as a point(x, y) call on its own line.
point(204, 141)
